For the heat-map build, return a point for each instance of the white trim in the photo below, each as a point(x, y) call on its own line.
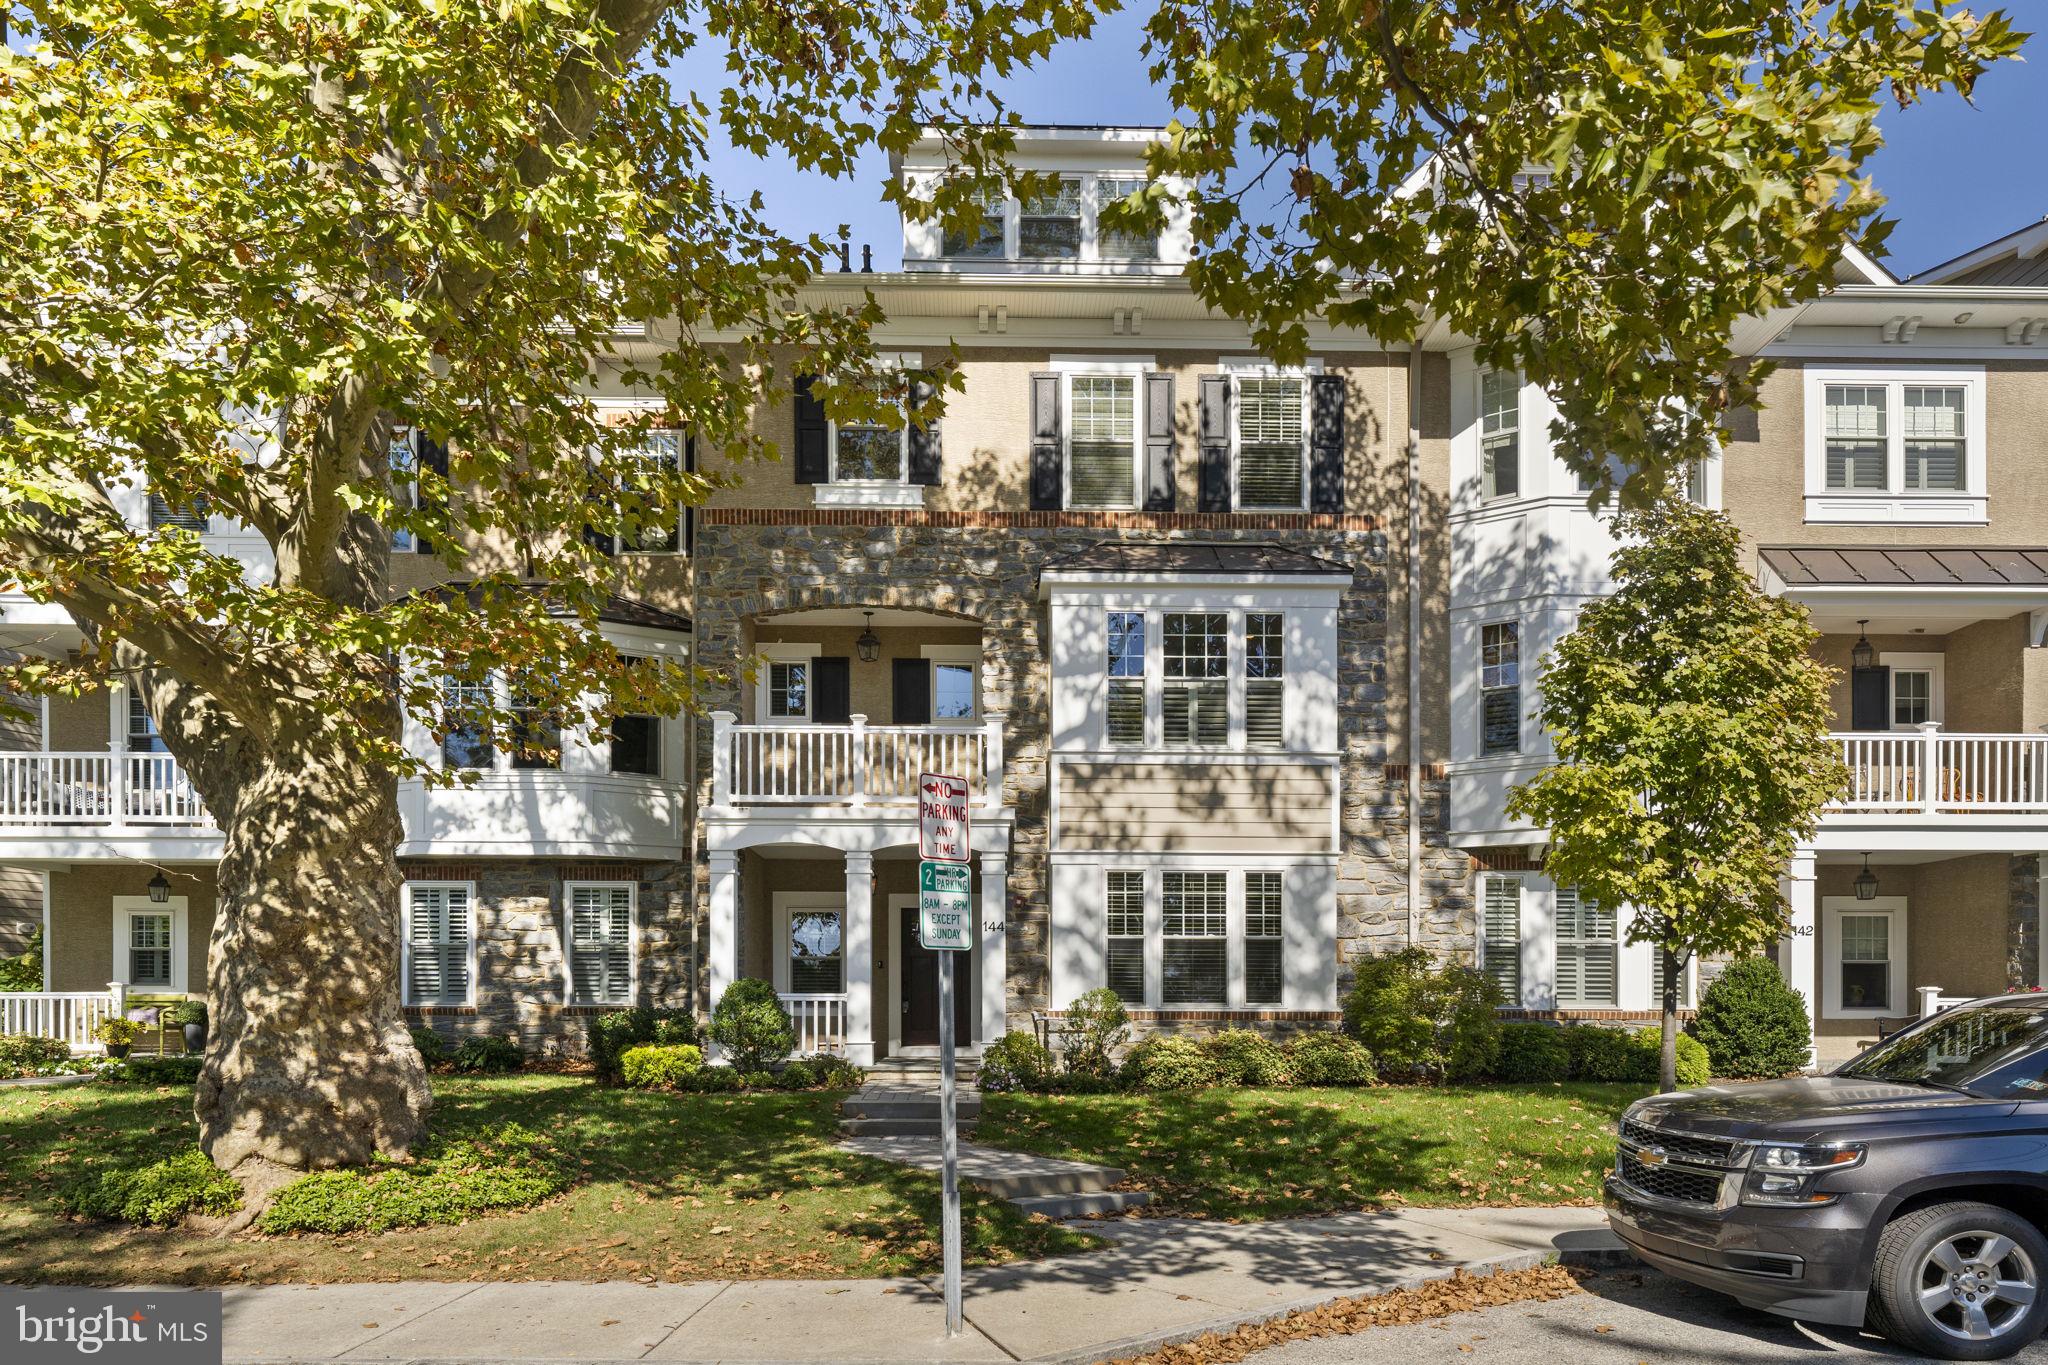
point(568, 935)
point(405, 891)
point(966, 979)
point(1895, 503)
point(45, 875)
point(1830, 956)
point(125, 908)
point(783, 903)
point(781, 652)
point(1937, 705)
point(1240, 368)
point(1071, 368)
point(865, 493)
point(968, 656)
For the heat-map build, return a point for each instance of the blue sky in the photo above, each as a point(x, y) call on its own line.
point(1956, 175)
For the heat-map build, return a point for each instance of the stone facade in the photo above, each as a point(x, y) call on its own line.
point(754, 564)
point(520, 982)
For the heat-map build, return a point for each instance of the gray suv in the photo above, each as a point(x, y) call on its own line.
point(1906, 1192)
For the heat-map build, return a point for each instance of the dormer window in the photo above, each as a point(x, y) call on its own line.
point(1122, 246)
point(1049, 227)
point(1062, 224)
point(985, 242)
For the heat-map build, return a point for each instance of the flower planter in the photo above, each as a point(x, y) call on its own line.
point(118, 1050)
point(195, 1037)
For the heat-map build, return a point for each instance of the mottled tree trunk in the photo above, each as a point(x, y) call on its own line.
point(309, 1062)
point(1667, 1055)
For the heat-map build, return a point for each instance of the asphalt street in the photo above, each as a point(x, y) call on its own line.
point(1627, 1317)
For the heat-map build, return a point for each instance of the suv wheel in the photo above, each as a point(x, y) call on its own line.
point(1960, 1282)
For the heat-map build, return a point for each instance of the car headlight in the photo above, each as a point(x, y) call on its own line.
point(1788, 1176)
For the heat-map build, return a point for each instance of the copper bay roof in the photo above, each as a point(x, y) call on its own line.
point(1146, 558)
point(1803, 566)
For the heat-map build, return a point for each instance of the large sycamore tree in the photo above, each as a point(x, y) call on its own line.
point(1691, 723)
point(249, 244)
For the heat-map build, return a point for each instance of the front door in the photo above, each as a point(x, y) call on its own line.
point(920, 968)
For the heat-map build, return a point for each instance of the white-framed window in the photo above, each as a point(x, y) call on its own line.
point(989, 241)
point(1269, 434)
point(1265, 921)
point(1195, 929)
point(1500, 687)
point(1121, 246)
point(1062, 225)
point(149, 944)
point(1265, 679)
point(1863, 958)
point(1049, 224)
point(956, 683)
point(438, 932)
point(1896, 444)
point(404, 463)
point(1195, 696)
point(869, 454)
point(1500, 938)
point(149, 949)
point(142, 737)
point(1918, 685)
point(599, 959)
point(817, 951)
point(533, 736)
point(1124, 920)
point(1588, 952)
point(536, 732)
point(662, 451)
point(465, 743)
point(190, 516)
point(636, 741)
point(1124, 714)
point(784, 683)
point(1500, 434)
point(1103, 464)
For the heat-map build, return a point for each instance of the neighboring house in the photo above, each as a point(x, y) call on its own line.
point(1151, 596)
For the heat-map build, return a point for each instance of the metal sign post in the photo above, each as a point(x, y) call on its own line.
point(944, 924)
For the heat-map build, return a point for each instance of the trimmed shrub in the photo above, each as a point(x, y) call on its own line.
point(1423, 1020)
point(24, 973)
point(1601, 1054)
point(752, 1026)
point(1097, 1024)
point(431, 1046)
point(179, 1070)
point(712, 1080)
point(162, 1192)
point(486, 1056)
point(796, 1075)
point(611, 1034)
point(1531, 1053)
point(1691, 1064)
point(1081, 1083)
point(1246, 1058)
point(757, 1080)
point(1168, 1064)
point(506, 1167)
point(24, 1054)
point(836, 1073)
point(1751, 1023)
point(1015, 1061)
point(1327, 1057)
point(654, 1067)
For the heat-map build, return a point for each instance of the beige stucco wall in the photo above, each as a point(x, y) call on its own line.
point(1986, 677)
point(21, 723)
point(79, 724)
point(1221, 808)
point(82, 920)
point(1956, 930)
point(1763, 484)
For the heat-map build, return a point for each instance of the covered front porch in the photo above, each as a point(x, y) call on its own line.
point(1882, 935)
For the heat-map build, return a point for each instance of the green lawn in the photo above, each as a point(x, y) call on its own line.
point(670, 1186)
point(1272, 1153)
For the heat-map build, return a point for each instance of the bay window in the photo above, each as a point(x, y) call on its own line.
point(1195, 938)
point(1195, 699)
point(1500, 688)
point(1264, 931)
point(1500, 426)
point(1124, 913)
point(1219, 679)
point(1195, 927)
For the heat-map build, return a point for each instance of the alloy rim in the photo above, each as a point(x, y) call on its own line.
point(1976, 1286)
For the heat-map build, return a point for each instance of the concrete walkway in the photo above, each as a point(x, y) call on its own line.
point(1163, 1280)
point(1044, 1185)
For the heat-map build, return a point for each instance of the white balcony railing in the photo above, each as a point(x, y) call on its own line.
point(820, 1022)
point(96, 789)
point(854, 765)
point(1926, 771)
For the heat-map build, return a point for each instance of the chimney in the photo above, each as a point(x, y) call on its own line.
point(867, 260)
point(845, 258)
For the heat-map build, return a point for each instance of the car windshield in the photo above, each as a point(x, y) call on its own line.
point(1995, 1050)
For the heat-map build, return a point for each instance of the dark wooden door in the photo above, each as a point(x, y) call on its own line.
point(920, 968)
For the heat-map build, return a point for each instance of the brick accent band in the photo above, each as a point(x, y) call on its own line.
point(1504, 860)
point(1587, 1016)
point(1026, 521)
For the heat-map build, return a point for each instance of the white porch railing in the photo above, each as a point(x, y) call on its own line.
point(68, 1015)
point(855, 765)
point(1928, 772)
point(96, 789)
point(820, 1022)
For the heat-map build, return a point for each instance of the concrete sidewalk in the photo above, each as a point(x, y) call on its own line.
point(1164, 1280)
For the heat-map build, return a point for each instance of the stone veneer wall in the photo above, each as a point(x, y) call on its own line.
point(753, 563)
point(2023, 923)
point(519, 973)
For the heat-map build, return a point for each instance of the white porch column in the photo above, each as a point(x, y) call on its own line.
point(1800, 944)
point(992, 948)
point(724, 951)
point(860, 958)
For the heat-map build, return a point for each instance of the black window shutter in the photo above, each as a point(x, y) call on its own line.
point(924, 439)
point(831, 690)
point(1046, 440)
point(1215, 443)
point(812, 460)
point(1870, 698)
point(690, 513)
point(428, 453)
point(911, 691)
point(1158, 442)
point(1326, 443)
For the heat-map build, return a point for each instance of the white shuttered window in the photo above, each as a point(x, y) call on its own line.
point(438, 932)
point(1856, 440)
point(1125, 913)
point(600, 956)
point(1271, 442)
point(1586, 952)
point(1500, 957)
point(1936, 437)
point(1102, 451)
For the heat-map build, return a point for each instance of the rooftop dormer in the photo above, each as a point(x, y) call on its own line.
point(1058, 233)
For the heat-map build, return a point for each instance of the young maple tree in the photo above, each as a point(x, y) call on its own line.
point(1691, 727)
point(248, 245)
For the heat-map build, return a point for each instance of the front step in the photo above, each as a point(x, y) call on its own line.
point(1057, 1206)
point(902, 1127)
point(892, 1107)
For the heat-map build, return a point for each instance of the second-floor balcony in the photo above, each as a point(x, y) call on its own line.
point(855, 766)
point(1935, 773)
point(97, 789)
